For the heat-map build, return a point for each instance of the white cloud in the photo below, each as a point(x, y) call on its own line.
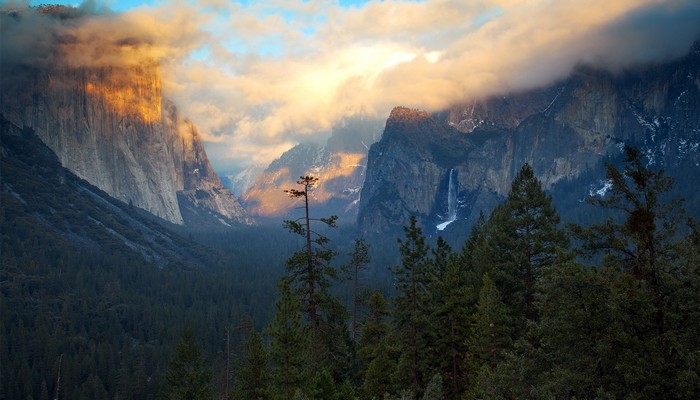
point(258, 78)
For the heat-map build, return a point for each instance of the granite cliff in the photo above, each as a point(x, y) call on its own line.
point(565, 132)
point(110, 124)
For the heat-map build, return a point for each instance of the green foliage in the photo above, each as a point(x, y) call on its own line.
point(642, 308)
point(375, 352)
point(253, 376)
point(491, 331)
point(188, 377)
point(512, 315)
point(308, 269)
point(434, 389)
point(452, 305)
point(289, 346)
point(523, 237)
point(412, 309)
point(359, 258)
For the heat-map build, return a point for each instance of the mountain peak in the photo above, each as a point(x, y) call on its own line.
point(405, 114)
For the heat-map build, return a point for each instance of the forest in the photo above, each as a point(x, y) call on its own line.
point(528, 307)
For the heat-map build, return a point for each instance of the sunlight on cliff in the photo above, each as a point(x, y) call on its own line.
point(131, 92)
point(336, 181)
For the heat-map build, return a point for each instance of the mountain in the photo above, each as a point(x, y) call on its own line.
point(109, 123)
point(240, 182)
point(339, 165)
point(468, 156)
point(45, 203)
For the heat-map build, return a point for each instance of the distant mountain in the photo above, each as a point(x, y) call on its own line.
point(109, 124)
point(470, 154)
point(240, 182)
point(339, 165)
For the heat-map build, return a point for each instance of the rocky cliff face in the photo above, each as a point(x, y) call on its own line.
point(565, 132)
point(339, 165)
point(110, 125)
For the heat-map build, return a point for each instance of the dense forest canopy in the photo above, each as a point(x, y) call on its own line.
point(526, 307)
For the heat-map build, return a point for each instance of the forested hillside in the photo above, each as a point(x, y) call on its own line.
point(94, 293)
point(528, 307)
point(100, 303)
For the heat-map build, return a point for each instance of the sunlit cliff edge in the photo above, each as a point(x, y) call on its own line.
point(111, 125)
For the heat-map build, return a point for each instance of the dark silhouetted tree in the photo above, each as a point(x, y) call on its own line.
point(188, 377)
point(309, 269)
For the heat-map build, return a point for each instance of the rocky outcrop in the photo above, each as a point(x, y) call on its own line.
point(339, 165)
point(67, 214)
point(110, 125)
point(565, 132)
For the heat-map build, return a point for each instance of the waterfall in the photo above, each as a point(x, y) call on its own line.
point(452, 197)
point(451, 201)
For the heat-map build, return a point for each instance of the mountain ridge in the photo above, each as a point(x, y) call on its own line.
point(579, 124)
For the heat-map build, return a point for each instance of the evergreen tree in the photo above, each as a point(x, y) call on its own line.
point(648, 350)
point(359, 259)
point(575, 331)
point(309, 268)
point(524, 237)
point(188, 377)
point(412, 308)
point(491, 333)
point(452, 297)
point(374, 350)
point(289, 346)
point(333, 348)
point(253, 374)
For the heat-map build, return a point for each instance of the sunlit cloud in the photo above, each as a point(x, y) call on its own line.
point(258, 77)
point(291, 70)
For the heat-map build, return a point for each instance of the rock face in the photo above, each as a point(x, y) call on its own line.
point(339, 165)
point(111, 126)
point(69, 214)
point(565, 132)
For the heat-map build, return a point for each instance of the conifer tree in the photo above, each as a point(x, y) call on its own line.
point(647, 342)
point(375, 327)
point(434, 391)
point(491, 330)
point(253, 375)
point(412, 308)
point(309, 267)
point(188, 377)
point(523, 237)
point(289, 346)
point(375, 351)
point(359, 258)
point(452, 306)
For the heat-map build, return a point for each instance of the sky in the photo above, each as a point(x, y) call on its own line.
point(260, 77)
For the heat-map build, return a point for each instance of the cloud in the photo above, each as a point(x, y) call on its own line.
point(290, 70)
point(257, 77)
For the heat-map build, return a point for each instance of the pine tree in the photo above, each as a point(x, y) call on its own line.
point(359, 258)
point(289, 346)
point(253, 375)
point(412, 308)
point(491, 333)
point(188, 377)
point(523, 237)
point(452, 297)
point(575, 329)
point(646, 349)
point(309, 268)
point(375, 328)
point(374, 350)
